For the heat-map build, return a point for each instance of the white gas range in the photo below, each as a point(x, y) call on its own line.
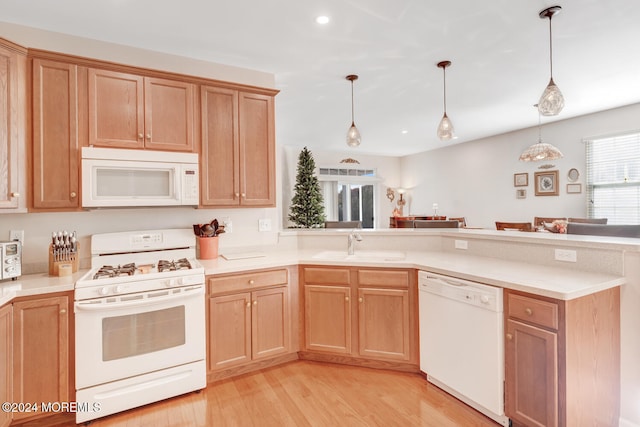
point(140, 321)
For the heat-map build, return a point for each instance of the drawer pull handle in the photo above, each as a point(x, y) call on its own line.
point(509, 337)
point(528, 311)
point(251, 282)
point(14, 194)
point(63, 311)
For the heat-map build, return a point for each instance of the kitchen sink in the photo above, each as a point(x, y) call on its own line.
point(361, 256)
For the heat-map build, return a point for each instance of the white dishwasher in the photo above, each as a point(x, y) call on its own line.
point(462, 341)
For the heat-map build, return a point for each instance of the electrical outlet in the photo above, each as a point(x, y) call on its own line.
point(17, 235)
point(228, 225)
point(264, 224)
point(461, 244)
point(566, 255)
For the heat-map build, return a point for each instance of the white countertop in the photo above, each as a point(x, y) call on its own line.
point(37, 284)
point(554, 282)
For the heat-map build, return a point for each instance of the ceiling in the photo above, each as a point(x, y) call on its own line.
point(499, 51)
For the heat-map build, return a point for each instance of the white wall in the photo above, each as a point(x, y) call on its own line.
point(475, 179)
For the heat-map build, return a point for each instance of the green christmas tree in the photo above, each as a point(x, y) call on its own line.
point(307, 209)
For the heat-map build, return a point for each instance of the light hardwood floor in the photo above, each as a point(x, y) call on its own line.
point(306, 393)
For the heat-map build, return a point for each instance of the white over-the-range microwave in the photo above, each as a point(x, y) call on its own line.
point(113, 177)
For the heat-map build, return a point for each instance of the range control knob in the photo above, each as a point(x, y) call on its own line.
point(484, 299)
point(103, 291)
point(119, 289)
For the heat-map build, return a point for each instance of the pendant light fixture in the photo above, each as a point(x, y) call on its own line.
point(551, 102)
point(353, 135)
point(541, 150)
point(445, 128)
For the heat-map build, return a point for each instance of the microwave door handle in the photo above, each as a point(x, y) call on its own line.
point(144, 301)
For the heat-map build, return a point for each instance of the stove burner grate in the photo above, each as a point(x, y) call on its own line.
point(115, 271)
point(181, 264)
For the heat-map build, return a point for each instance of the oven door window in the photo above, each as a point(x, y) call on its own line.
point(141, 333)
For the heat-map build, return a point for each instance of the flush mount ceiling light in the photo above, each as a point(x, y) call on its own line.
point(541, 150)
point(353, 135)
point(445, 128)
point(322, 20)
point(551, 102)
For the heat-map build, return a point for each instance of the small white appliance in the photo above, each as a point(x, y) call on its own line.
point(462, 341)
point(113, 177)
point(140, 321)
point(10, 260)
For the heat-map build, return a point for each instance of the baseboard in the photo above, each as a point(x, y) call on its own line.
point(355, 361)
point(250, 367)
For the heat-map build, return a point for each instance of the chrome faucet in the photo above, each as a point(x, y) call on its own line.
point(352, 239)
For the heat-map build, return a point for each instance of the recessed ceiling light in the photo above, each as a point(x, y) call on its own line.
point(404, 131)
point(322, 19)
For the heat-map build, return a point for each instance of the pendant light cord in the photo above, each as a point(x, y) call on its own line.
point(550, 49)
point(444, 87)
point(352, 115)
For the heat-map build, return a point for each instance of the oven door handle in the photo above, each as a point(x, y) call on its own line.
point(145, 300)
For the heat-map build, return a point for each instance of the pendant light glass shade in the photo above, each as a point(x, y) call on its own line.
point(445, 128)
point(540, 151)
point(353, 134)
point(551, 102)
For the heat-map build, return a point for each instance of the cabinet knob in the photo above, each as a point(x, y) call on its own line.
point(15, 194)
point(255, 302)
point(237, 195)
point(148, 137)
point(248, 304)
point(140, 135)
point(251, 282)
point(73, 194)
point(528, 311)
point(63, 311)
point(509, 337)
point(346, 299)
point(360, 299)
point(244, 195)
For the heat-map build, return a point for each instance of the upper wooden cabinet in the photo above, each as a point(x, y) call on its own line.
point(12, 128)
point(238, 148)
point(55, 149)
point(132, 111)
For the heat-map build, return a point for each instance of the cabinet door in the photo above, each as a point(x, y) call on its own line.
point(6, 361)
point(384, 323)
point(257, 150)
point(229, 330)
point(11, 151)
point(41, 351)
point(327, 311)
point(270, 322)
point(56, 171)
point(116, 109)
point(220, 167)
point(168, 115)
point(531, 368)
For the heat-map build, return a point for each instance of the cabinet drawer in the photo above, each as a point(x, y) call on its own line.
point(247, 281)
point(395, 279)
point(543, 313)
point(327, 276)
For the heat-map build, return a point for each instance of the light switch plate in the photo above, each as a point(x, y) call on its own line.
point(17, 235)
point(461, 244)
point(264, 224)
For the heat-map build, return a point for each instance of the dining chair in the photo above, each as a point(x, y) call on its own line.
point(343, 224)
point(435, 223)
point(615, 230)
point(522, 226)
point(462, 222)
point(539, 220)
point(437, 218)
point(589, 220)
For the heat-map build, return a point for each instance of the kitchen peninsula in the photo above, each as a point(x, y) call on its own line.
point(521, 263)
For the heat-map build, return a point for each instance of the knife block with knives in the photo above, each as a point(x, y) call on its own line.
point(63, 251)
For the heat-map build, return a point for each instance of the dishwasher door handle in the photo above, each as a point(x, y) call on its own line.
point(447, 281)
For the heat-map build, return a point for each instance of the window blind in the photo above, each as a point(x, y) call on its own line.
point(613, 178)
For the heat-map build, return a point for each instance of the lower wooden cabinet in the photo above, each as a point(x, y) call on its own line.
point(249, 318)
point(562, 360)
point(378, 324)
point(41, 351)
point(6, 361)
